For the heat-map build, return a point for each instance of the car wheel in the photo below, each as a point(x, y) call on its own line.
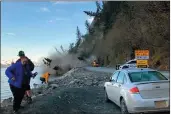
point(106, 97)
point(124, 107)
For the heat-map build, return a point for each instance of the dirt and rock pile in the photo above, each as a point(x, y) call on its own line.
point(75, 78)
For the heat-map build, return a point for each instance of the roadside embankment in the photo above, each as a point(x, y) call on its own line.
point(75, 78)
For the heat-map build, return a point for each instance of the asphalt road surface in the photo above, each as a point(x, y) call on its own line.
point(111, 70)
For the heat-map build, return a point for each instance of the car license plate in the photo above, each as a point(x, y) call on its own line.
point(161, 104)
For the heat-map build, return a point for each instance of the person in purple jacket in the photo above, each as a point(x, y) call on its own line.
point(19, 77)
point(21, 54)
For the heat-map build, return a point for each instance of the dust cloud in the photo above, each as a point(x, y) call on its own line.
point(65, 61)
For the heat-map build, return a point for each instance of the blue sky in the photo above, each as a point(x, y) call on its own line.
point(36, 27)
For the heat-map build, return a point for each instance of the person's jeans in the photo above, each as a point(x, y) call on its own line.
point(18, 94)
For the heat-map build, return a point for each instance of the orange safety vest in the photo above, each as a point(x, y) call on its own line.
point(46, 76)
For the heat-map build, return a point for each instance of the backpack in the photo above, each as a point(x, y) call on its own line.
point(31, 65)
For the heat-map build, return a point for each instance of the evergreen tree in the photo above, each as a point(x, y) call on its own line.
point(71, 48)
point(79, 36)
point(88, 27)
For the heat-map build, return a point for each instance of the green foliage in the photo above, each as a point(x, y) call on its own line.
point(84, 54)
point(47, 61)
point(78, 42)
point(98, 6)
point(87, 24)
point(90, 13)
point(74, 49)
point(88, 27)
point(71, 48)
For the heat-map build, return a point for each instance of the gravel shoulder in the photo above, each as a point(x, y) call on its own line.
point(72, 101)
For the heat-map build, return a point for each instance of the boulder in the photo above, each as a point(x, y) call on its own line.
point(53, 86)
point(88, 82)
point(74, 81)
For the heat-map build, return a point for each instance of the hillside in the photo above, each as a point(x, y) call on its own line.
point(119, 28)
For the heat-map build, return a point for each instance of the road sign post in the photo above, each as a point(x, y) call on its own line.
point(142, 63)
point(142, 57)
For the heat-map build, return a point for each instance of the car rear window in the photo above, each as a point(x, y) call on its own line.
point(146, 76)
point(131, 62)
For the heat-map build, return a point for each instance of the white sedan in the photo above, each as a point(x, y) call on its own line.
point(138, 90)
point(129, 64)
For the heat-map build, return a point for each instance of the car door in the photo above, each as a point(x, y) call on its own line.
point(110, 90)
point(118, 86)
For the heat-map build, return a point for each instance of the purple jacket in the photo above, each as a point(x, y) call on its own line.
point(16, 70)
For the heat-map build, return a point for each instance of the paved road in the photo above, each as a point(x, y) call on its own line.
point(111, 70)
point(101, 69)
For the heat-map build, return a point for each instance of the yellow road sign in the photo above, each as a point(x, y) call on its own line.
point(142, 62)
point(141, 52)
point(142, 66)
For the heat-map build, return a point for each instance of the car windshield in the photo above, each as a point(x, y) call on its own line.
point(146, 76)
point(131, 62)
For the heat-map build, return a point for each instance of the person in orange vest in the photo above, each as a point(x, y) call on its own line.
point(44, 78)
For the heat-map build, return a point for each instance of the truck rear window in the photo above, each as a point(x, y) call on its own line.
point(146, 76)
